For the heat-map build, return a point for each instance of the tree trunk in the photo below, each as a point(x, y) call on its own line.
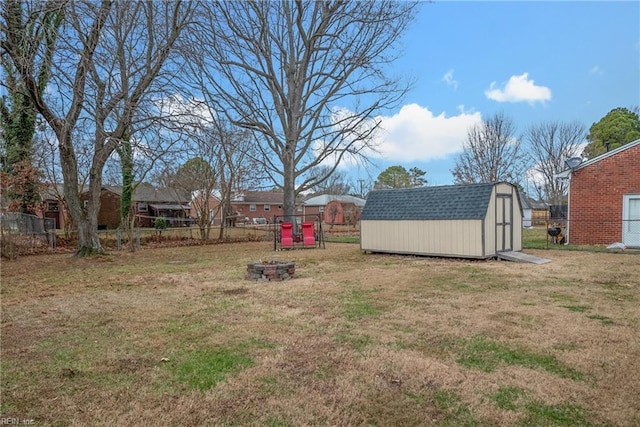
point(86, 220)
point(289, 202)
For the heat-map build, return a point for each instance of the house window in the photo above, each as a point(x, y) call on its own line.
point(252, 208)
point(143, 207)
point(52, 206)
point(321, 209)
point(267, 208)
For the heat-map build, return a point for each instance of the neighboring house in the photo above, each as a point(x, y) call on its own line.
point(246, 206)
point(260, 204)
point(213, 206)
point(335, 209)
point(534, 212)
point(466, 221)
point(52, 205)
point(604, 198)
point(148, 203)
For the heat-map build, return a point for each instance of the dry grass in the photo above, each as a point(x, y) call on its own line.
point(177, 336)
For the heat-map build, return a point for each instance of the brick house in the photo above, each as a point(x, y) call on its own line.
point(148, 203)
point(604, 198)
point(260, 204)
point(52, 206)
point(212, 206)
point(246, 206)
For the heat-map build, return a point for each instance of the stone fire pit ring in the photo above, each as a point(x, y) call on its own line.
point(266, 271)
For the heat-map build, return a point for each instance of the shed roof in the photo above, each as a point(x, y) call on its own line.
point(469, 201)
point(325, 199)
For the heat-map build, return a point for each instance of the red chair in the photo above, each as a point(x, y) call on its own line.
point(308, 234)
point(286, 235)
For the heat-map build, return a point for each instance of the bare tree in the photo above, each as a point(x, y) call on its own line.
point(238, 167)
point(335, 183)
point(492, 153)
point(362, 187)
point(200, 179)
point(550, 144)
point(18, 114)
point(90, 85)
point(222, 159)
point(306, 77)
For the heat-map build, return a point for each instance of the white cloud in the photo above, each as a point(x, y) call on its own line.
point(187, 111)
point(596, 70)
point(519, 89)
point(449, 80)
point(416, 134)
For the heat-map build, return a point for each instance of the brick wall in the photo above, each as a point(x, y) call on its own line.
point(596, 195)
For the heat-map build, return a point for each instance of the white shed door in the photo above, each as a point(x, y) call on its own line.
point(631, 220)
point(504, 223)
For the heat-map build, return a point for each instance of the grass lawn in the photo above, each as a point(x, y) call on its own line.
point(178, 336)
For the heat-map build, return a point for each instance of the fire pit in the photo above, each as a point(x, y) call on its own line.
point(271, 270)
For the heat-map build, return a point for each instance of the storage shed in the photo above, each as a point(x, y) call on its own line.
point(466, 221)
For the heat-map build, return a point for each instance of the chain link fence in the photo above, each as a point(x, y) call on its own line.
point(22, 234)
point(625, 233)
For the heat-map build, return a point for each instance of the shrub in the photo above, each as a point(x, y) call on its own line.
point(160, 224)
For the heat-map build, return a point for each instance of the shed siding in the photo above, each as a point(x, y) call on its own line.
point(490, 226)
point(516, 215)
point(436, 237)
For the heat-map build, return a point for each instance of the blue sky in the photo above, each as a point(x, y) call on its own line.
point(534, 61)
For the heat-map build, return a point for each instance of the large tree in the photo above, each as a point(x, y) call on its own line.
point(550, 144)
point(491, 152)
point(90, 85)
point(18, 112)
point(620, 126)
point(399, 177)
point(306, 77)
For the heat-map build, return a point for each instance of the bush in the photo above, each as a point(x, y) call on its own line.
point(160, 224)
point(8, 247)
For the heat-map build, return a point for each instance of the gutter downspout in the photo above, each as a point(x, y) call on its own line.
point(566, 240)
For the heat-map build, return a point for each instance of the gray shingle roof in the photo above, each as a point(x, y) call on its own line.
point(324, 199)
point(468, 201)
point(150, 194)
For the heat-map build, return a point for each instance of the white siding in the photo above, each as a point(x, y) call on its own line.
point(443, 237)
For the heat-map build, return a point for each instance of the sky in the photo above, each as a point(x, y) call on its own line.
point(533, 61)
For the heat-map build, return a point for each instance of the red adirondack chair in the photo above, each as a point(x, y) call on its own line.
point(286, 235)
point(308, 234)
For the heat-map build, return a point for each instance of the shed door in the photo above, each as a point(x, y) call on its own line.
point(631, 220)
point(504, 223)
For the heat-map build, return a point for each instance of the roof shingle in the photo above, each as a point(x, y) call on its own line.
point(469, 201)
